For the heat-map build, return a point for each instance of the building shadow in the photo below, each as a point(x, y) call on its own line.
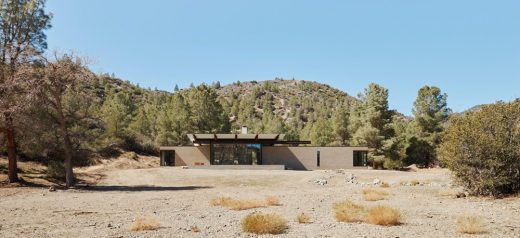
point(110, 188)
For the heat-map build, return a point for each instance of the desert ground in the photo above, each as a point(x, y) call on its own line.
point(180, 200)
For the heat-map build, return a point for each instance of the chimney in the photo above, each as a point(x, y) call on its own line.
point(244, 130)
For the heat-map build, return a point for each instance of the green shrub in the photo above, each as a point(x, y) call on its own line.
point(55, 169)
point(482, 148)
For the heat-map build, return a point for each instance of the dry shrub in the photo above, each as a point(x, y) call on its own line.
point(373, 194)
point(195, 229)
point(383, 216)
point(470, 225)
point(303, 218)
point(145, 224)
point(261, 223)
point(347, 211)
point(272, 201)
point(414, 182)
point(385, 185)
point(238, 205)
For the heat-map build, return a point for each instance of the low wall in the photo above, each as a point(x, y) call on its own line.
point(305, 158)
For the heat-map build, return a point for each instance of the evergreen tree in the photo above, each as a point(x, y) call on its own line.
point(370, 121)
point(207, 115)
point(431, 113)
point(22, 38)
point(176, 88)
point(322, 133)
point(340, 121)
point(118, 112)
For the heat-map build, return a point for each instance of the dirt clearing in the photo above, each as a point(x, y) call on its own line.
point(180, 199)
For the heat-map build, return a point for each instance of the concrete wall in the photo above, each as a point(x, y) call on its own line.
point(304, 158)
point(190, 155)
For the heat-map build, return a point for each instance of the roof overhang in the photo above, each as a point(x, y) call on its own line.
point(266, 139)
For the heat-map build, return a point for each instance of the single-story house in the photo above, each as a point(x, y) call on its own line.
point(270, 151)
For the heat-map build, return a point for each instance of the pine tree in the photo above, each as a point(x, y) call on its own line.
point(207, 114)
point(431, 113)
point(370, 121)
point(176, 88)
point(340, 122)
point(117, 112)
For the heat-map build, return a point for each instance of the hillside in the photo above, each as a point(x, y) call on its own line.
point(294, 102)
point(288, 96)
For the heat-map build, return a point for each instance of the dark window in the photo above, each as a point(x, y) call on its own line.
point(318, 158)
point(167, 158)
point(360, 158)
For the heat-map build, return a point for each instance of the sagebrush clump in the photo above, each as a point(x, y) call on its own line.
point(374, 195)
point(482, 149)
point(347, 211)
point(470, 225)
point(303, 218)
point(383, 216)
point(264, 223)
point(145, 224)
point(245, 204)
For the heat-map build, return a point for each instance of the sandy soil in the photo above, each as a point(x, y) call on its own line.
point(180, 199)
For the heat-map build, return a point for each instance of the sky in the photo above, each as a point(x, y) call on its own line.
point(468, 48)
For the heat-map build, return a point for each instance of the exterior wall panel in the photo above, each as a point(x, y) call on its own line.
point(305, 158)
point(190, 155)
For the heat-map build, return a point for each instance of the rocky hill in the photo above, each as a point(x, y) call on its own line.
point(287, 99)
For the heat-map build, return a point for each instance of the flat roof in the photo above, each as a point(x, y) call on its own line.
point(265, 139)
point(216, 137)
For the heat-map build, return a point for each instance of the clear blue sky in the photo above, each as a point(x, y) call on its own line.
point(469, 48)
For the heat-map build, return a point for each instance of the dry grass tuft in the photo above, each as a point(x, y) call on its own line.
point(383, 216)
point(238, 205)
point(471, 225)
point(373, 194)
point(194, 229)
point(272, 201)
point(348, 211)
point(303, 218)
point(385, 185)
point(414, 182)
point(145, 224)
point(448, 192)
point(261, 223)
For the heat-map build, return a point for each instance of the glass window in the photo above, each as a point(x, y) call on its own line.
point(234, 154)
point(360, 158)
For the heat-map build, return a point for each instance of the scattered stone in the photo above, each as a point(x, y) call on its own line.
point(376, 182)
point(52, 188)
point(349, 178)
point(321, 182)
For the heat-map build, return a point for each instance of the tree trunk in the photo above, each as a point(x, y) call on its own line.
point(11, 152)
point(67, 148)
